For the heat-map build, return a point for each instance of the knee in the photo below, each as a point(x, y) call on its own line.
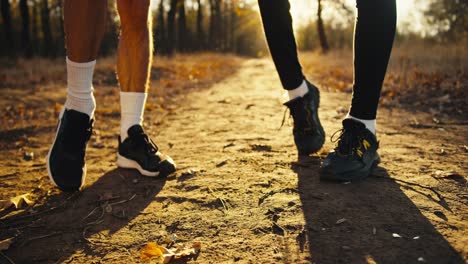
point(134, 15)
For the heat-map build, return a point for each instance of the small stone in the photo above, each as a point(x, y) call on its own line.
point(108, 208)
point(340, 221)
point(28, 156)
point(421, 259)
point(346, 247)
point(135, 181)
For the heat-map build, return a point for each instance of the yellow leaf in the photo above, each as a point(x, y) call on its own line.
point(5, 244)
point(151, 250)
point(18, 202)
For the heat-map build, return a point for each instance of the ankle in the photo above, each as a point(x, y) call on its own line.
point(132, 107)
point(300, 91)
point(370, 124)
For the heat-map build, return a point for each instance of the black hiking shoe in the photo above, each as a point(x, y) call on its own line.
point(139, 152)
point(308, 132)
point(355, 154)
point(66, 159)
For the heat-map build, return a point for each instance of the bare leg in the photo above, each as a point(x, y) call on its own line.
point(135, 50)
point(85, 22)
point(84, 28)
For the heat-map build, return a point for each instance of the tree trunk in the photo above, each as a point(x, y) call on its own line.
point(61, 40)
point(181, 27)
point(45, 21)
point(321, 29)
point(219, 21)
point(200, 33)
point(233, 26)
point(25, 35)
point(35, 29)
point(6, 16)
point(225, 28)
point(161, 37)
point(171, 27)
point(212, 28)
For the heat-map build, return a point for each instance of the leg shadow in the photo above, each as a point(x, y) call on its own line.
point(67, 223)
point(372, 221)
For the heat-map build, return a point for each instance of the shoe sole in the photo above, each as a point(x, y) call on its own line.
point(49, 173)
point(125, 163)
point(350, 176)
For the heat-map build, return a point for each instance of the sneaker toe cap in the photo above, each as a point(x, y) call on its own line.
point(338, 168)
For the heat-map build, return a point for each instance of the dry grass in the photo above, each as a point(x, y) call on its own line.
point(34, 89)
point(27, 73)
point(433, 77)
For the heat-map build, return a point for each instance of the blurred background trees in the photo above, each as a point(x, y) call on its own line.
point(35, 27)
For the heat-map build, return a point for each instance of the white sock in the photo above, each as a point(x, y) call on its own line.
point(132, 107)
point(370, 124)
point(299, 91)
point(80, 87)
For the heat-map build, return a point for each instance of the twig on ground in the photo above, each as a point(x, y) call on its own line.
point(7, 258)
point(224, 203)
point(39, 237)
point(92, 212)
point(270, 193)
point(433, 190)
point(123, 201)
point(22, 217)
point(97, 222)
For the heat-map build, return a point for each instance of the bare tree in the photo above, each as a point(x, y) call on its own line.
point(25, 35)
point(321, 28)
point(181, 27)
point(6, 16)
point(171, 27)
point(45, 22)
point(200, 31)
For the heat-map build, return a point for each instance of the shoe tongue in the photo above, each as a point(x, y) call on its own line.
point(135, 130)
point(351, 123)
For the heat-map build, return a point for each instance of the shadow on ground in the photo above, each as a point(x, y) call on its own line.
point(373, 222)
point(68, 223)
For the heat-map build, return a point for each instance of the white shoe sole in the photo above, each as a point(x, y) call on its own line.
point(83, 176)
point(125, 163)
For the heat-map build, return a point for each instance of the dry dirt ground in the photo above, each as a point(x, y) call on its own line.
point(240, 188)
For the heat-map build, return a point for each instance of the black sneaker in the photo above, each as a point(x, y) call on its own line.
point(308, 132)
point(66, 159)
point(355, 154)
point(139, 152)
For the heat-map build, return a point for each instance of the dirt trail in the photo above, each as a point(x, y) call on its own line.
point(240, 191)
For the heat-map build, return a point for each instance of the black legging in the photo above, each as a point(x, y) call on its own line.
point(373, 40)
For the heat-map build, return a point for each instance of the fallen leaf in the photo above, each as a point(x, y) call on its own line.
point(5, 244)
point(28, 156)
point(163, 255)
point(18, 202)
point(150, 251)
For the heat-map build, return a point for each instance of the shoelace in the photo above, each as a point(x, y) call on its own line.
point(148, 143)
point(284, 118)
point(309, 122)
point(348, 142)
